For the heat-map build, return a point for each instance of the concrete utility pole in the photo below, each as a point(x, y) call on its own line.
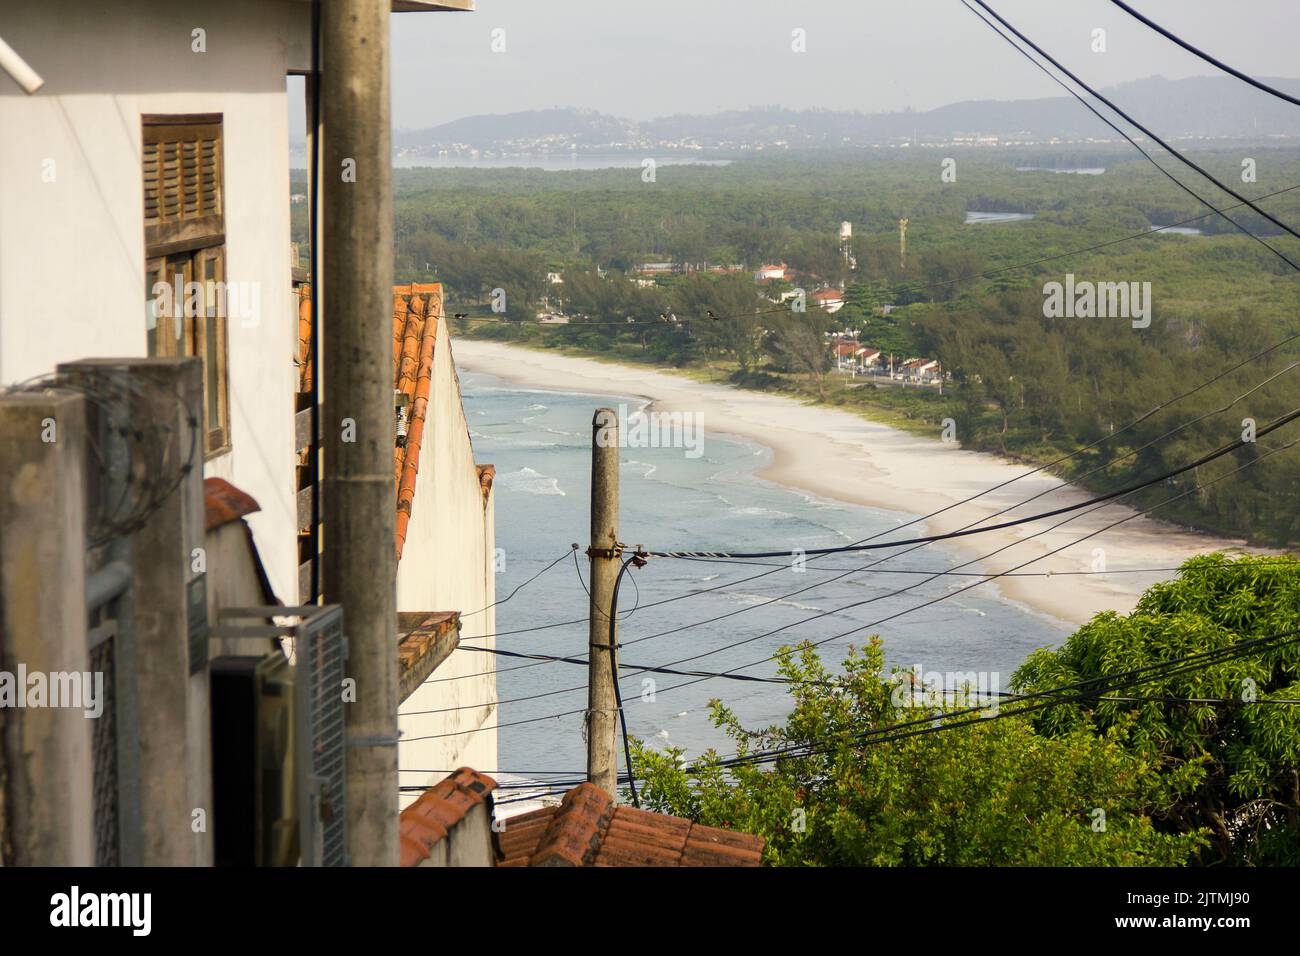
point(46, 785)
point(602, 712)
point(358, 427)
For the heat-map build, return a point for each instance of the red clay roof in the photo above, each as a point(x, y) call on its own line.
point(223, 503)
point(588, 829)
point(439, 810)
point(416, 310)
point(304, 337)
point(424, 640)
point(486, 475)
point(417, 307)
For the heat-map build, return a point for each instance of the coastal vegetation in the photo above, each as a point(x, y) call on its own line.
point(1156, 755)
point(1020, 384)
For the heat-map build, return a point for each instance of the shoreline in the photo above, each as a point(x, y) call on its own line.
point(843, 457)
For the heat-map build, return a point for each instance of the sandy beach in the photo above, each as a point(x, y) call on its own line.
point(838, 455)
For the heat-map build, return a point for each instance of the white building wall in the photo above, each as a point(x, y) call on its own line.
point(72, 249)
point(448, 564)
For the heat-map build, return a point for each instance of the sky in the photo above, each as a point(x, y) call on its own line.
point(637, 59)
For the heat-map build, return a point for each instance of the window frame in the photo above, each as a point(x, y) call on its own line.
point(184, 244)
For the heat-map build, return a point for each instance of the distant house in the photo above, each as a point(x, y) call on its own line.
point(869, 358)
point(554, 278)
point(921, 370)
point(849, 354)
point(657, 268)
point(830, 300)
point(771, 272)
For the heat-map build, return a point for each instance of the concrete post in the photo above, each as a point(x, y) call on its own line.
point(357, 425)
point(172, 712)
point(602, 712)
point(46, 808)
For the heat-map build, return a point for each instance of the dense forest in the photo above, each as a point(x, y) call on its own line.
point(970, 295)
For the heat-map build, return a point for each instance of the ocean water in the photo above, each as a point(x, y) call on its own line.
point(540, 443)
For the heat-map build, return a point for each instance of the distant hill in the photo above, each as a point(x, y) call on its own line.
point(1212, 107)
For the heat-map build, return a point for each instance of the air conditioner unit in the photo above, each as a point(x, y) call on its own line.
point(278, 730)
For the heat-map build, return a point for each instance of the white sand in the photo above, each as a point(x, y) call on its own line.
point(840, 456)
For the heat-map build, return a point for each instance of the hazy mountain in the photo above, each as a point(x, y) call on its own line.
point(1217, 107)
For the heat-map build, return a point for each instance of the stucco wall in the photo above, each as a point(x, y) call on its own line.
point(448, 565)
point(72, 250)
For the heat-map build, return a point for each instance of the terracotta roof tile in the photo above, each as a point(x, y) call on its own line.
point(223, 503)
point(587, 829)
point(416, 311)
point(486, 475)
point(574, 835)
point(704, 849)
point(417, 308)
point(438, 811)
point(304, 337)
point(424, 640)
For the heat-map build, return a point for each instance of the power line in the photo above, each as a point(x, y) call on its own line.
point(1259, 85)
point(898, 614)
point(1154, 136)
point(1053, 698)
point(553, 659)
point(947, 536)
point(1132, 142)
point(612, 638)
point(503, 600)
point(542, 659)
point(645, 668)
point(962, 590)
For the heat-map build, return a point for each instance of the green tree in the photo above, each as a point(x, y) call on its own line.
point(1249, 797)
point(799, 341)
point(995, 792)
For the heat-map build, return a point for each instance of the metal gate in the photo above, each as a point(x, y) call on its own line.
point(314, 636)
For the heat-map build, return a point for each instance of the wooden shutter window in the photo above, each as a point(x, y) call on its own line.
point(182, 162)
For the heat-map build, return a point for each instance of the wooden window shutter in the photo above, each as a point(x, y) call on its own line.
point(182, 163)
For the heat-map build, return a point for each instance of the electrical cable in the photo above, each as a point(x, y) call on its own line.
point(1132, 142)
point(640, 668)
point(898, 614)
point(1115, 433)
point(962, 590)
point(1186, 664)
point(638, 560)
point(948, 536)
point(1272, 91)
point(503, 600)
point(1130, 120)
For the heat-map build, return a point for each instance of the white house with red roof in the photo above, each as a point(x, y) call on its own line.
point(830, 300)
